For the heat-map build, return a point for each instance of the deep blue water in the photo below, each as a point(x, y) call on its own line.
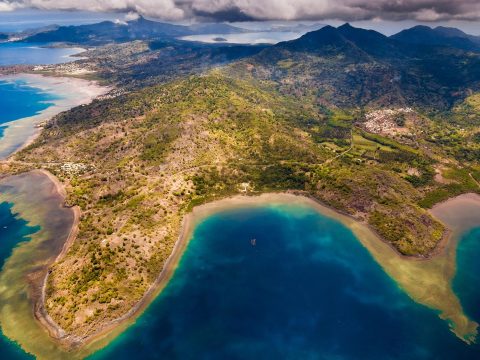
point(34, 54)
point(13, 230)
point(19, 100)
point(306, 290)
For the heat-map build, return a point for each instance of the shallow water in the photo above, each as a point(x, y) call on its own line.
point(13, 231)
point(35, 54)
point(19, 102)
point(306, 290)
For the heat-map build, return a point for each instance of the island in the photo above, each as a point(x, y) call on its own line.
point(137, 169)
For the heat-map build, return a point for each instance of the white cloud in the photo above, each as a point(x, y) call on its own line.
point(348, 10)
point(9, 6)
point(132, 15)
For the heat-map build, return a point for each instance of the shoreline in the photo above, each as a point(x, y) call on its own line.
point(36, 199)
point(71, 92)
point(74, 343)
point(387, 257)
point(39, 311)
point(199, 213)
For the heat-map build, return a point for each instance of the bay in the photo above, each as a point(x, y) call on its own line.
point(18, 53)
point(306, 290)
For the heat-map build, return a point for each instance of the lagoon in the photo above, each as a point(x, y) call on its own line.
point(13, 231)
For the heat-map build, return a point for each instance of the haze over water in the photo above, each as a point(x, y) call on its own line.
point(33, 54)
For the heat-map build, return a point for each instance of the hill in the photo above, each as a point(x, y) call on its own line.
point(147, 157)
point(139, 29)
point(351, 67)
point(439, 36)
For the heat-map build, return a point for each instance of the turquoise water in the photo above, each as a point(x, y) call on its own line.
point(306, 290)
point(35, 54)
point(19, 100)
point(13, 231)
point(466, 283)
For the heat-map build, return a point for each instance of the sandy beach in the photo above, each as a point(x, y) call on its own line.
point(71, 92)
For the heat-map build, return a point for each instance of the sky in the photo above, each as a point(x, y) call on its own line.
point(387, 16)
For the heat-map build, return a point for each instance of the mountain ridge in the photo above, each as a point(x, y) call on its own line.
point(140, 29)
point(352, 67)
point(439, 36)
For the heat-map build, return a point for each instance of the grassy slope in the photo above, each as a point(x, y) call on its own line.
point(154, 154)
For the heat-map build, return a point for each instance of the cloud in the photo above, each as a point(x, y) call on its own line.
point(9, 6)
point(132, 15)
point(239, 10)
point(162, 9)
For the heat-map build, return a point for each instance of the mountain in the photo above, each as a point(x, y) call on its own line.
point(350, 67)
point(140, 29)
point(345, 39)
point(439, 36)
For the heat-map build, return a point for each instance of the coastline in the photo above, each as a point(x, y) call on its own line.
point(382, 252)
point(409, 275)
point(39, 310)
point(72, 92)
point(37, 200)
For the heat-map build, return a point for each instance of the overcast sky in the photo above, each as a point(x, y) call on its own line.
point(387, 16)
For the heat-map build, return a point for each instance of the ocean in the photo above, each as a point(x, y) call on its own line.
point(19, 100)
point(466, 282)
